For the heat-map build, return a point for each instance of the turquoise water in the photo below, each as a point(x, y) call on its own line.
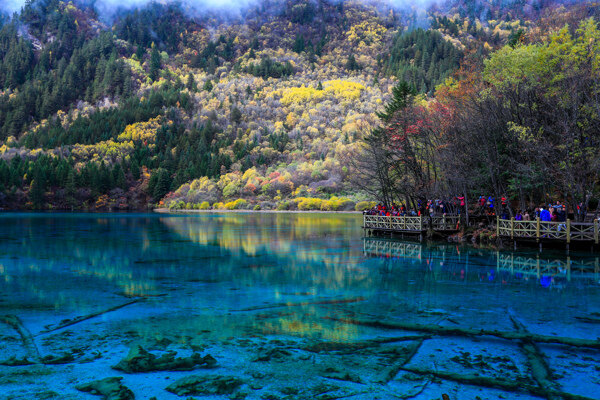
point(291, 306)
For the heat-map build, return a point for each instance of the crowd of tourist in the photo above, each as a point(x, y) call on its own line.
point(437, 207)
point(486, 206)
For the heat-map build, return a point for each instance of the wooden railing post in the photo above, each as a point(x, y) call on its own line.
point(390, 223)
point(596, 231)
point(568, 230)
point(512, 227)
point(537, 229)
point(497, 226)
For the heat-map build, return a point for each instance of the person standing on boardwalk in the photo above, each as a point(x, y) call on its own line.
point(545, 215)
point(461, 202)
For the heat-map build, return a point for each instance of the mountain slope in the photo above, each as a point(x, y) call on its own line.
point(268, 107)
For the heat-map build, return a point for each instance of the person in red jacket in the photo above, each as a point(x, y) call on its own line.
point(461, 202)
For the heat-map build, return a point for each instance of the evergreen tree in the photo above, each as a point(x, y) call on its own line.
point(70, 190)
point(191, 83)
point(36, 192)
point(162, 183)
point(155, 64)
point(352, 64)
point(299, 44)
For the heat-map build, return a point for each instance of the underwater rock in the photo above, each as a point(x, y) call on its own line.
point(64, 359)
point(16, 362)
point(273, 353)
point(139, 360)
point(110, 388)
point(209, 385)
point(47, 395)
point(333, 373)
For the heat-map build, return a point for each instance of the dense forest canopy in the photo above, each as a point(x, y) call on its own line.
point(269, 108)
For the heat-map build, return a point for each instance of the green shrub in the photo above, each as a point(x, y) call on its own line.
point(204, 205)
point(282, 206)
point(257, 207)
point(218, 206)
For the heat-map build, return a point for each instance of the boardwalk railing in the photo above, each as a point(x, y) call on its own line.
point(545, 230)
point(445, 223)
point(411, 224)
point(392, 223)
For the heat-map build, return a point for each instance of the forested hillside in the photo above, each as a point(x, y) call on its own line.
point(163, 105)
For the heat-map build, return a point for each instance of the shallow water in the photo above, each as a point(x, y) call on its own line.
point(291, 306)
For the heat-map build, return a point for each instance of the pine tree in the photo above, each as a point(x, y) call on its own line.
point(155, 64)
point(351, 64)
point(299, 44)
point(162, 185)
point(70, 190)
point(36, 192)
point(191, 83)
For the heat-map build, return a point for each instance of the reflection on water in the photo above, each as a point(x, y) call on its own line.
point(235, 283)
point(452, 262)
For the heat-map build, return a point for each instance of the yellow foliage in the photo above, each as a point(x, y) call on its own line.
point(343, 89)
point(236, 205)
point(301, 95)
point(365, 33)
point(365, 205)
point(291, 120)
point(339, 89)
point(141, 131)
point(307, 203)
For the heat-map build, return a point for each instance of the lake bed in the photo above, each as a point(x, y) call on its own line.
point(288, 306)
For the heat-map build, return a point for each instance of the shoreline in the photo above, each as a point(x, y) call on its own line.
point(167, 211)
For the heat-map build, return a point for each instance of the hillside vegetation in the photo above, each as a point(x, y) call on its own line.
point(267, 110)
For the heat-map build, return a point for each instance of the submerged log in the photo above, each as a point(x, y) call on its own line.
point(400, 361)
point(365, 344)
point(517, 386)
point(452, 331)
point(82, 318)
point(16, 323)
point(537, 363)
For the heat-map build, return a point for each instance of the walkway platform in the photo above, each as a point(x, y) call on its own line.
point(540, 231)
point(411, 225)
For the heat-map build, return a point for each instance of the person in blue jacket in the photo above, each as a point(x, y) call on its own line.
point(545, 215)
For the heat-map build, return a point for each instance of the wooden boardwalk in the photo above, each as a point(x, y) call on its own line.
point(542, 231)
point(568, 232)
point(411, 225)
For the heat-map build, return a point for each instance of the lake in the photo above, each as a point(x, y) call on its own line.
point(284, 306)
